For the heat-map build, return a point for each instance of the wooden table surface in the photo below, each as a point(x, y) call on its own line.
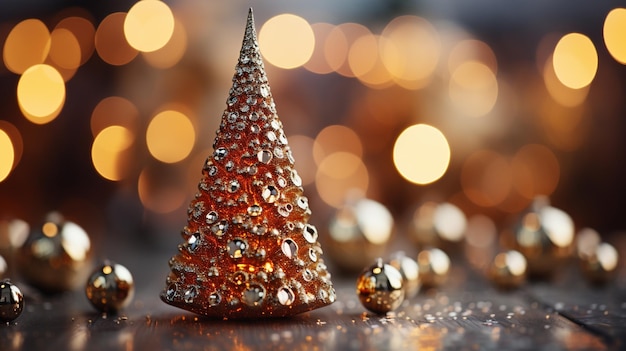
point(465, 314)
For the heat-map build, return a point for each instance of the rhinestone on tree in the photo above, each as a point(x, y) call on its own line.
point(249, 250)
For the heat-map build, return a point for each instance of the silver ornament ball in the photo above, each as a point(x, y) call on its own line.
point(11, 301)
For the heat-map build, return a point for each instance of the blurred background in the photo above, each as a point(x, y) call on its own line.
point(108, 109)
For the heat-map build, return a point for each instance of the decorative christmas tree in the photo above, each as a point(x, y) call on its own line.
point(249, 250)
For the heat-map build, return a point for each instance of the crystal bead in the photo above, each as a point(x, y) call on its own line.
point(289, 248)
point(285, 296)
point(236, 248)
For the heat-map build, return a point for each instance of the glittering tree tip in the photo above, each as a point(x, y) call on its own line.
point(248, 249)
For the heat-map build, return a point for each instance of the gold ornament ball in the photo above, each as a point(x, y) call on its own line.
point(599, 266)
point(508, 270)
point(110, 288)
point(409, 270)
point(379, 288)
point(437, 225)
point(359, 233)
point(434, 265)
point(545, 236)
point(11, 301)
point(56, 256)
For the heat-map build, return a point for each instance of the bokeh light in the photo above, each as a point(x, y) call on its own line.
point(149, 25)
point(338, 45)
point(472, 50)
point(614, 32)
point(340, 174)
point(114, 110)
point(486, 178)
point(159, 190)
point(64, 52)
point(411, 51)
point(336, 138)
point(562, 94)
point(111, 43)
point(172, 52)
point(27, 44)
point(366, 64)
point(107, 152)
point(16, 140)
point(7, 155)
point(536, 171)
point(421, 154)
point(318, 63)
point(575, 60)
point(170, 136)
point(41, 93)
point(286, 41)
point(84, 32)
point(473, 88)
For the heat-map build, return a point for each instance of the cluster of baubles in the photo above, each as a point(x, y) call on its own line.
point(54, 257)
point(540, 241)
point(383, 286)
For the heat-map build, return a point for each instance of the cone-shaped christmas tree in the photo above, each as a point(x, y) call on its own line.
point(249, 250)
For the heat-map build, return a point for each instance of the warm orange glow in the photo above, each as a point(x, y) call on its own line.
point(486, 178)
point(111, 43)
point(614, 32)
point(41, 93)
point(17, 143)
point(64, 52)
point(575, 60)
point(286, 41)
point(318, 63)
point(172, 52)
point(562, 94)
point(7, 155)
point(26, 45)
point(107, 152)
point(158, 193)
point(536, 171)
point(411, 51)
point(473, 88)
point(84, 32)
point(336, 138)
point(340, 174)
point(114, 110)
point(149, 25)
point(366, 64)
point(472, 50)
point(421, 154)
point(338, 46)
point(170, 136)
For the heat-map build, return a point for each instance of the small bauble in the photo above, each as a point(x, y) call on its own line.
point(379, 288)
point(437, 225)
point(508, 270)
point(409, 270)
point(11, 301)
point(434, 265)
point(544, 235)
point(600, 265)
point(359, 233)
point(110, 288)
point(56, 256)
